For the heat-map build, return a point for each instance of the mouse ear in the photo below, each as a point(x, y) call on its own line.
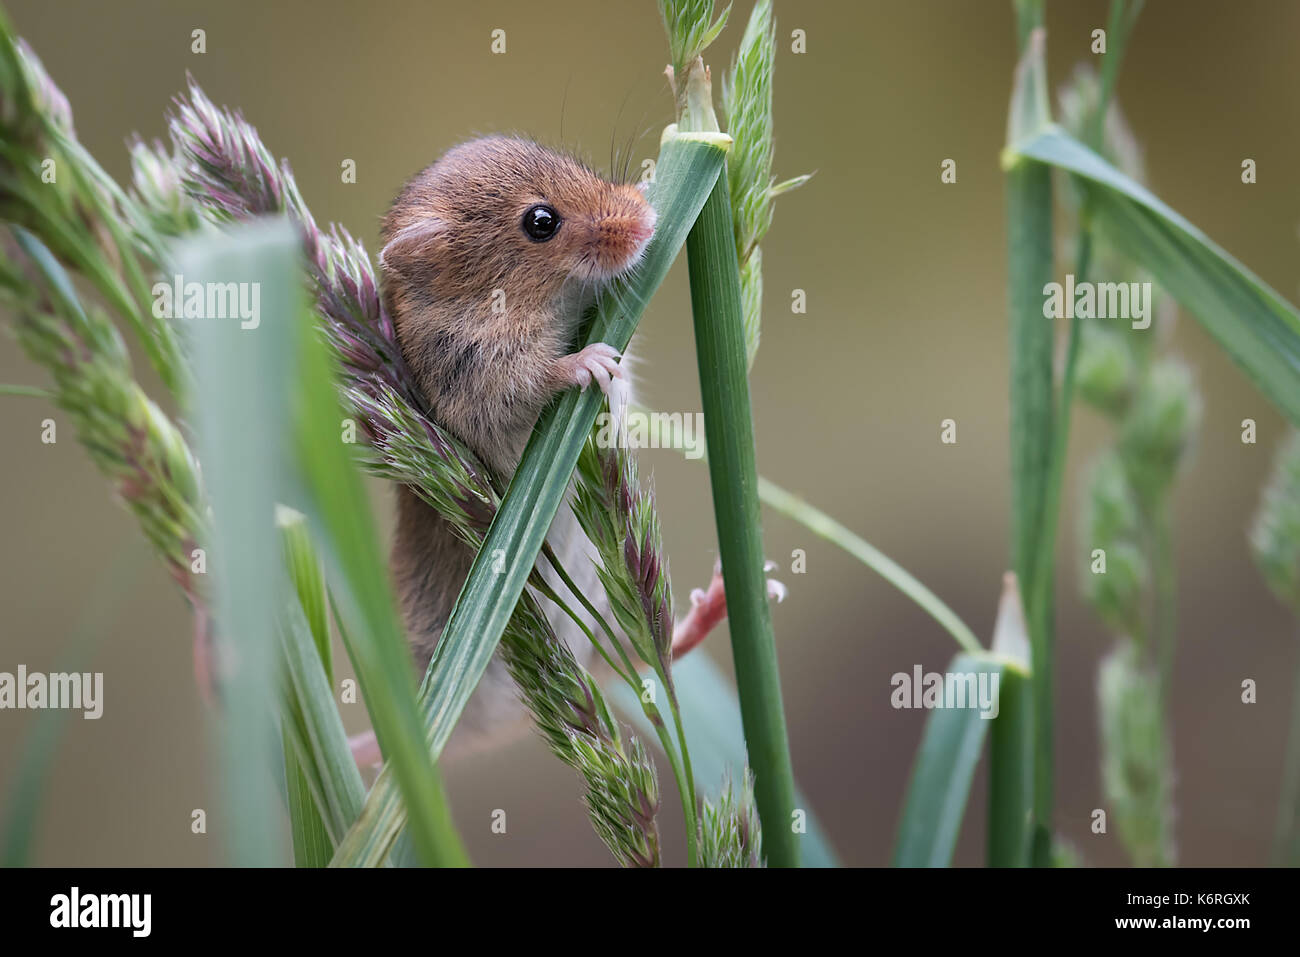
point(414, 248)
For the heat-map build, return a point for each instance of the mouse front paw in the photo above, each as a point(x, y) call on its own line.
point(597, 361)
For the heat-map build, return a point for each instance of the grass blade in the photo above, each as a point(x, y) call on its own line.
point(244, 470)
point(312, 846)
point(1286, 833)
point(308, 582)
point(688, 167)
point(313, 842)
point(1011, 780)
point(1029, 270)
point(1251, 321)
point(1011, 739)
point(824, 526)
point(286, 386)
point(941, 777)
point(315, 731)
point(331, 489)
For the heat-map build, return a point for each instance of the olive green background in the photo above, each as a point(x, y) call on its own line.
point(905, 327)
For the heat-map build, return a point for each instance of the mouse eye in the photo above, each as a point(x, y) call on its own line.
point(540, 223)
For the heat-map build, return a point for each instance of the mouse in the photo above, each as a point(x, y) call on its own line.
point(489, 259)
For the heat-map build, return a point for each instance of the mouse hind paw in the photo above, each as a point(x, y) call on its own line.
point(709, 608)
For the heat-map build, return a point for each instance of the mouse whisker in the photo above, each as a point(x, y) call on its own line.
point(613, 155)
point(640, 136)
point(564, 100)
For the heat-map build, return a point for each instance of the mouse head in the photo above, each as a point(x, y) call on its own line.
point(503, 213)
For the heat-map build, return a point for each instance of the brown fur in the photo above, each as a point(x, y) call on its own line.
point(484, 318)
point(483, 313)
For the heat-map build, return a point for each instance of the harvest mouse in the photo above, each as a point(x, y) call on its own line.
point(490, 258)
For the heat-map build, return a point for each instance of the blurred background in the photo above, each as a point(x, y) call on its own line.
point(905, 326)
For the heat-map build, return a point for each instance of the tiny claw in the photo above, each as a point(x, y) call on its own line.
point(776, 590)
point(769, 566)
point(618, 399)
point(599, 361)
point(698, 596)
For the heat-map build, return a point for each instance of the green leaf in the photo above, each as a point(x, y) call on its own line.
point(312, 846)
point(332, 497)
point(1011, 739)
point(313, 729)
point(687, 169)
point(241, 379)
point(313, 841)
point(308, 582)
point(940, 783)
point(1029, 270)
point(1286, 833)
point(1011, 766)
point(270, 420)
point(824, 526)
point(1251, 321)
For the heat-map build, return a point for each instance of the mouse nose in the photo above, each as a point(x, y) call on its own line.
point(620, 241)
point(643, 227)
point(621, 235)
